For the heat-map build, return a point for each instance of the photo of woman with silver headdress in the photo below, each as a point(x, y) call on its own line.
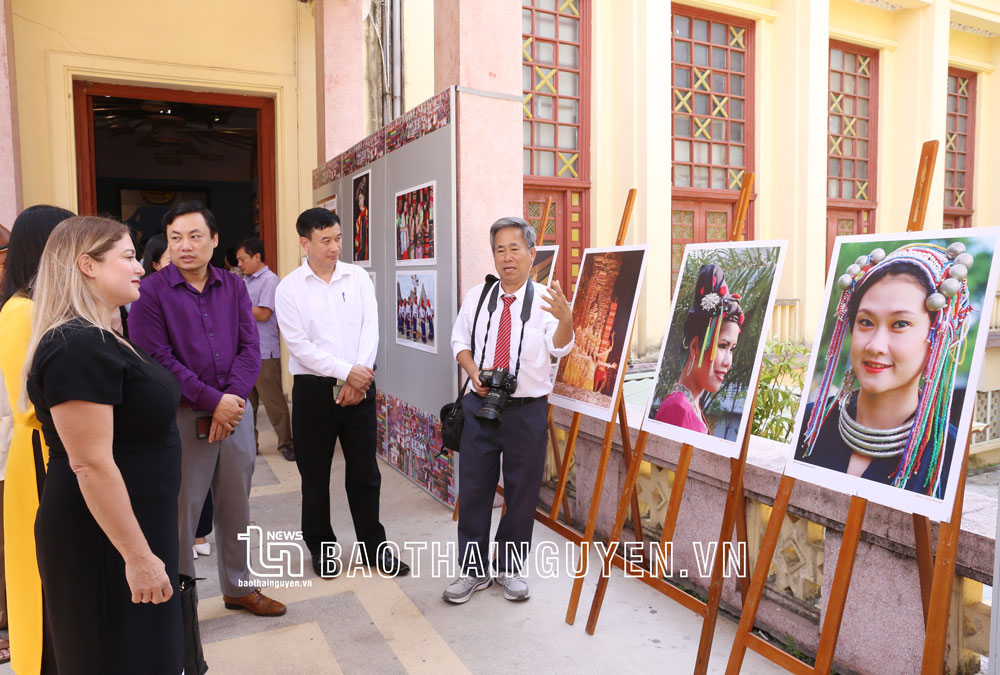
point(714, 343)
point(891, 372)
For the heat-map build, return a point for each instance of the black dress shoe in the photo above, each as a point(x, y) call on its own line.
point(288, 452)
point(391, 566)
point(329, 570)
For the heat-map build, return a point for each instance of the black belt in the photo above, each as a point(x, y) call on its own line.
point(516, 401)
point(317, 379)
point(523, 400)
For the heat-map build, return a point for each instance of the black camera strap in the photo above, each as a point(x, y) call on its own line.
point(529, 295)
point(490, 280)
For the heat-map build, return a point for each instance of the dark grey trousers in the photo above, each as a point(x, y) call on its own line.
point(227, 468)
point(520, 442)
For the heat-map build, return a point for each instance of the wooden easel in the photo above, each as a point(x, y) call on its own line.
point(936, 575)
point(602, 465)
point(733, 514)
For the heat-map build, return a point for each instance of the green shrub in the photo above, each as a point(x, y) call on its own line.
point(779, 389)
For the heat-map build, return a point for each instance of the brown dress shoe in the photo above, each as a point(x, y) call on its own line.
point(257, 603)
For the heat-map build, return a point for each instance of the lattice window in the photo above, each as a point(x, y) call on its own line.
point(553, 87)
point(681, 233)
point(987, 412)
point(959, 143)
point(711, 100)
point(718, 226)
point(535, 210)
point(851, 123)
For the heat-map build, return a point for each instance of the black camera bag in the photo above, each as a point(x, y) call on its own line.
point(451, 413)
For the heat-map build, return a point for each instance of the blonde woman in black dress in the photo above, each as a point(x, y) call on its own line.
point(106, 528)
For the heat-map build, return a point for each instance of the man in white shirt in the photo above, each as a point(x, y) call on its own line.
point(523, 348)
point(328, 316)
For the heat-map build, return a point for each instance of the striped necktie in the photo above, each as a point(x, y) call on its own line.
point(501, 359)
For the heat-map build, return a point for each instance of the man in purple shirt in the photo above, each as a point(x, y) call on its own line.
point(196, 321)
point(261, 283)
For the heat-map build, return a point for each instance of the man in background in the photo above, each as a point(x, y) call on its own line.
point(261, 284)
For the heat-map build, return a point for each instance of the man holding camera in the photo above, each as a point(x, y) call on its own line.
point(521, 325)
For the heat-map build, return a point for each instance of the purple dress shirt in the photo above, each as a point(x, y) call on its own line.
point(207, 340)
point(261, 285)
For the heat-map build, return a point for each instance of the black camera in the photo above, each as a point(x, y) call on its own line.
point(501, 385)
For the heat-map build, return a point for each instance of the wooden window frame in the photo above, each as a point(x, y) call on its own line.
point(970, 149)
point(749, 118)
point(86, 165)
point(583, 98)
point(873, 95)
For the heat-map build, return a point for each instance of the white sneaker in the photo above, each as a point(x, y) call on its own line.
point(203, 549)
point(514, 587)
point(462, 588)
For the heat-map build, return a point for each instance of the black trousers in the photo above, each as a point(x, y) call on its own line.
point(520, 440)
point(317, 423)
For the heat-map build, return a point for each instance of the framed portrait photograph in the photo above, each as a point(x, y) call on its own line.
point(330, 204)
point(414, 231)
point(892, 379)
point(361, 223)
point(604, 306)
point(416, 310)
point(544, 268)
point(714, 343)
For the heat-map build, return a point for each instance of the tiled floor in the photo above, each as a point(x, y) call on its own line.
point(375, 625)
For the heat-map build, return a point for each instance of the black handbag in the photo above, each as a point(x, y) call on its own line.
point(452, 419)
point(194, 658)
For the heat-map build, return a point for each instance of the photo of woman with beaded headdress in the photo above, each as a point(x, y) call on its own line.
point(893, 373)
point(714, 343)
point(361, 232)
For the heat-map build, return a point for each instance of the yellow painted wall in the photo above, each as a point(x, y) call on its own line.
point(966, 46)
point(418, 52)
point(982, 56)
point(259, 47)
point(631, 136)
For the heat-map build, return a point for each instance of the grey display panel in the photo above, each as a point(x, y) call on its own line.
point(421, 378)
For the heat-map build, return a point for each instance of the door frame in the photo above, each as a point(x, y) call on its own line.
point(86, 165)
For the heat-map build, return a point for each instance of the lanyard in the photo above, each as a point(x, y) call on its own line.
point(529, 294)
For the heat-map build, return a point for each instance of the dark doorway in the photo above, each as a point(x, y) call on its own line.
point(141, 150)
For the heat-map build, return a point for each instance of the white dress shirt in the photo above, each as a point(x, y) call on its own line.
point(533, 378)
point(328, 327)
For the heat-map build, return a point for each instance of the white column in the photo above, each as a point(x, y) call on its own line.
point(792, 143)
point(476, 47)
point(10, 159)
point(340, 90)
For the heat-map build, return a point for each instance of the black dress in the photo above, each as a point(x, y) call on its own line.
point(95, 626)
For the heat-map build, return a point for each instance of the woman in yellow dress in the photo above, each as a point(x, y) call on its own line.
point(28, 453)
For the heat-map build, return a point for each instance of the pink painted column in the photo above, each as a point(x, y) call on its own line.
point(340, 94)
point(472, 43)
point(10, 157)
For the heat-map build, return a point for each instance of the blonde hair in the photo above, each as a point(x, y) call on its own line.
point(62, 292)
